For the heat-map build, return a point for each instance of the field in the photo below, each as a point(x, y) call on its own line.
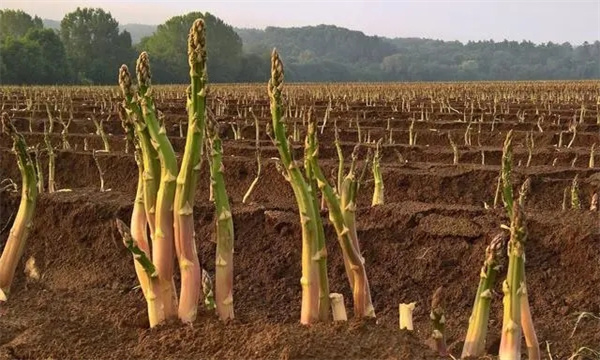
point(438, 217)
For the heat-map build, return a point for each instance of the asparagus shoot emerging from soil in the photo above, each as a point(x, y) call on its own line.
point(51, 162)
point(207, 290)
point(224, 231)
point(144, 268)
point(517, 315)
point(139, 255)
point(575, 202)
point(478, 322)
point(506, 173)
point(455, 156)
point(377, 177)
point(191, 162)
point(162, 243)
point(100, 171)
point(302, 192)
point(438, 320)
point(363, 306)
point(142, 216)
point(310, 151)
point(533, 346)
point(38, 169)
point(15, 244)
point(100, 131)
point(514, 288)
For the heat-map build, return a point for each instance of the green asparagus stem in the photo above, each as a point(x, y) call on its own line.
point(51, 163)
point(39, 170)
point(533, 346)
point(145, 269)
point(139, 255)
point(162, 243)
point(310, 147)
point(17, 237)
point(350, 186)
point(517, 315)
point(142, 216)
point(185, 244)
point(361, 293)
point(302, 191)
point(150, 160)
point(478, 322)
point(378, 191)
point(514, 288)
point(343, 191)
point(224, 232)
point(505, 175)
point(340, 154)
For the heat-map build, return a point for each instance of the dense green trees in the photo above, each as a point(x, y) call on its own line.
point(325, 53)
point(16, 23)
point(94, 45)
point(168, 49)
point(28, 52)
point(89, 47)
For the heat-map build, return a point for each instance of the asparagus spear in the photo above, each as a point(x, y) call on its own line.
point(162, 243)
point(478, 322)
point(363, 306)
point(185, 244)
point(150, 160)
point(514, 288)
point(224, 232)
point(23, 223)
point(302, 192)
point(310, 148)
point(517, 315)
point(145, 269)
point(378, 191)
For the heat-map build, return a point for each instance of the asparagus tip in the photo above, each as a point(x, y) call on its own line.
point(125, 81)
point(143, 69)
point(123, 230)
point(197, 45)
point(276, 81)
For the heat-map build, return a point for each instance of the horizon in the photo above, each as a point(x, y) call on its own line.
point(448, 21)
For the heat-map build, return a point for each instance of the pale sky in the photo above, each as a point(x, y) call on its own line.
point(537, 21)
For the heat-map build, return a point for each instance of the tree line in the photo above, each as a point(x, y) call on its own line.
point(88, 47)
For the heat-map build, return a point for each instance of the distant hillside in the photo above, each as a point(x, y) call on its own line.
point(137, 31)
point(51, 24)
point(331, 53)
point(323, 42)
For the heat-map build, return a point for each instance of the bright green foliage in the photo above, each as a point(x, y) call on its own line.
point(36, 58)
point(94, 45)
point(16, 23)
point(168, 47)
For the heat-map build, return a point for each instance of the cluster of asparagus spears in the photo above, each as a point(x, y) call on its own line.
point(164, 205)
point(341, 204)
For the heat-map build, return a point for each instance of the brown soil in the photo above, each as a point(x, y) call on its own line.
point(431, 232)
